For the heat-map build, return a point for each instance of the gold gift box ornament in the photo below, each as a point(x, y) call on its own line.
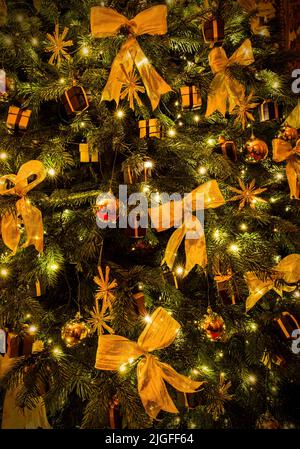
point(85, 155)
point(150, 128)
point(190, 98)
point(115, 351)
point(107, 22)
point(18, 118)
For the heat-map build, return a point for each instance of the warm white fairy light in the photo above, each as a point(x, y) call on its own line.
point(57, 351)
point(4, 272)
point(53, 266)
point(120, 113)
point(147, 319)
point(243, 227)
point(216, 234)
point(148, 164)
point(197, 118)
point(171, 132)
point(32, 329)
point(51, 172)
point(234, 248)
point(123, 368)
point(146, 189)
point(84, 51)
point(279, 176)
point(252, 379)
point(62, 80)
point(202, 170)
point(211, 141)
point(179, 270)
point(3, 155)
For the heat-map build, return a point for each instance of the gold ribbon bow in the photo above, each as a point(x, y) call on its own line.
point(32, 217)
point(283, 151)
point(115, 351)
point(170, 214)
point(223, 87)
point(107, 22)
point(288, 270)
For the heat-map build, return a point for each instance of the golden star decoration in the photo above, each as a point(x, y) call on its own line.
point(243, 110)
point(220, 395)
point(131, 88)
point(99, 321)
point(58, 45)
point(105, 288)
point(247, 194)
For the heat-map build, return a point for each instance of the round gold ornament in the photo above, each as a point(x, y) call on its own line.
point(213, 325)
point(267, 421)
point(290, 133)
point(257, 150)
point(74, 331)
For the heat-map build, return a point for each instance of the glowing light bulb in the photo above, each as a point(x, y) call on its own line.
point(243, 227)
point(171, 132)
point(202, 170)
point(178, 115)
point(275, 85)
point(179, 271)
point(50, 341)
point(131, 360)
point(176, 103)
point(34, 41)
point(211, 141)
point(234, 248)
point(120, 113)
point(123, 368)
point(279, 176)
point(62, 80)
point(82, 124)
point(180, 123)
point(51, 172)
point(273, 200)
point(32, 329)
point(147, 319)
point(146, 189)
point(3, 155)
point(297, 294)
point(4, 272)
point(57, 351)
point(28, 315)
point(197, 118)
point(148, 164)
point(216, 234)
point(253, 327)
point(53, 267)
point(84, 51)
point(252, 379)
point(195, 371)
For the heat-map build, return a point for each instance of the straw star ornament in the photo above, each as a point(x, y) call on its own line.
point(247, 194)
point(105, 290)
point(131, 88)
point(243, 110)
point(58, 45)
point(99, 321)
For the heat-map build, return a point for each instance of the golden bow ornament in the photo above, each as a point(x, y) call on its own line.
point(224, 88)
point(283, 151)
point(31, 216)
point(288, 271)
point(107, 22)
point(172, 213)
point(115, 351)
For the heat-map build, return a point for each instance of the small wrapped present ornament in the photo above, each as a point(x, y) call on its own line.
point(226, 288)
point(75, 100)
point(19, 345)
point(190, 98)
point(287, 323)
point(228, 148)
point(213, 30)
point(150, 128)
point(85, 155)
point(17, 118)
point(269, 110)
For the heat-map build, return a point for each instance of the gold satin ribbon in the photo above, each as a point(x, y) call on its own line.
point(31, 216)
point(195, 248)
point(224, 88)
point(288, 270)
point(293, 119)
point(107, 22)
point(283, 151)
point(115, 351)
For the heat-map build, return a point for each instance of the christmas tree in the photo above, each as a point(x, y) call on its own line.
point(109, 324)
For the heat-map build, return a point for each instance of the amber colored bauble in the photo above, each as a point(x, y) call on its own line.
point(257, 150)
point(214, 325)
point(74, 331)
point(267, 421)
point(290, 133)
